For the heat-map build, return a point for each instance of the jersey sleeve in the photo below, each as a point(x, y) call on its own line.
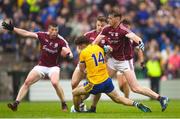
point(86, 35)
point(40, 36)
point(82, 57)
point(63, 42)
point(124, 30)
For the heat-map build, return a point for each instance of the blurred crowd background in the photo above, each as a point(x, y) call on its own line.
point(156, 21)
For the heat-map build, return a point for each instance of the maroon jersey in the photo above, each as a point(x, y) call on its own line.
point(116, 39)
point(50, 49)
point(91, 36)
point(129, 48)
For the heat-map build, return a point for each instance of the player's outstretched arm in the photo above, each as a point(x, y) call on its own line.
point(134, 37)
point(140, 55)
point(22, 32)
point(98, 39)
point(137, 39)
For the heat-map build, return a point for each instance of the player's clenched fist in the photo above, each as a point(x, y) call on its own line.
point(8, 26)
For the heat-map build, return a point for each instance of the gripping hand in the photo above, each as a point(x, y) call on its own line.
point(141, 45)
point(8, 26)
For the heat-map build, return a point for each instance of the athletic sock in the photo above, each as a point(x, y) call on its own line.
point(63, 103)
point(135, 103)
point(16, 103)
point(93, 108)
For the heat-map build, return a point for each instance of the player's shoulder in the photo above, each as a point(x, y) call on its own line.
point(41, 33)
point(60, 38)
point(96, 47)
point(88, 49)
point(84, 52)
point(124, 28)
point(107, 26)
point(90, 32)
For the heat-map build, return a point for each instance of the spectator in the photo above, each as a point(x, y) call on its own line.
point(154, 69)
point(174, 62)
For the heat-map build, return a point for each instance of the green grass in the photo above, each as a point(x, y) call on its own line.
point(105, 109)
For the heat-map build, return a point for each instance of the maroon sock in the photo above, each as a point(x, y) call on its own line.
point(159, 97)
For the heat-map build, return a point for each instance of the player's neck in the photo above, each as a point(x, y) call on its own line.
point(116, 25)
point(98, 31)
point(52, 37)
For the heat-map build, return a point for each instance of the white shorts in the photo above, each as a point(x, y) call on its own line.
point(46, 71)
point(120, 66)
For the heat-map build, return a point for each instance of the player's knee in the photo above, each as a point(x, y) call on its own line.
point(54, 83)
point(27, 83)
point(135, 89)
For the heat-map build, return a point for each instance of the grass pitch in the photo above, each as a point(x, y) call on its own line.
point(105, 109)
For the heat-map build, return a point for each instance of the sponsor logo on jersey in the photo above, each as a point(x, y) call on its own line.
point(49, 50)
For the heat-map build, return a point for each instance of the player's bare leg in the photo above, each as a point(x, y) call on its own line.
point(123, 84)
point(55, 82)
point(111, 71)
point(135, 87)
point(125, 101)
point(77, 92)
point(95, 100)
point(76, 77)
point(32, 77)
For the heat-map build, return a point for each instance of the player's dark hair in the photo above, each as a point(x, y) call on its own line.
point(126, 22)
point(81, 40)
point(101, 19)
point(53, 24)
point(115, 14)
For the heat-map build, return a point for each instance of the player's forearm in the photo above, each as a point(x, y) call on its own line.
point(134, 37)
point(24, 33)
point(141, 55)
point(98, 39)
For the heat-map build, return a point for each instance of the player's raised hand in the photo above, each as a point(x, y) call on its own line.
point(8, 26)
